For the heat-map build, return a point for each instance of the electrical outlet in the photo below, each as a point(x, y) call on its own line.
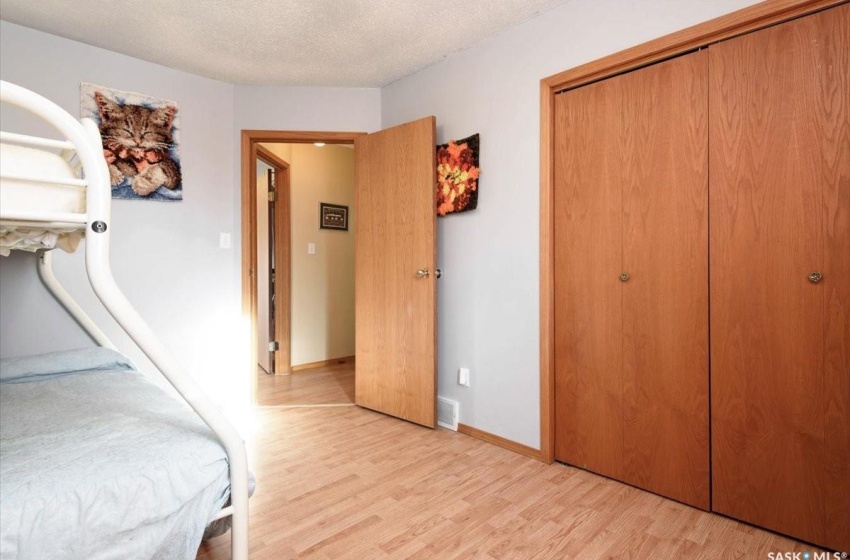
point(463, 377)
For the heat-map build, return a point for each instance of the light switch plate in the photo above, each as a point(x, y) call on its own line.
point(224, 240)
point(463, 377)
point(311, 248)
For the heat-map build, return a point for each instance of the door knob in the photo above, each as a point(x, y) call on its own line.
point(815, 277)
point(624, 277)
point(422, 273)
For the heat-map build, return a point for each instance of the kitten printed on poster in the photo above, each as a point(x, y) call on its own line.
point(140, 142)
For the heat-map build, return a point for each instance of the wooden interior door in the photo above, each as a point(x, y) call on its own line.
point(395, 283)
point(588, 243)
point(631, 352)
point(271, 190)
point(665, 301)
point(780, 210)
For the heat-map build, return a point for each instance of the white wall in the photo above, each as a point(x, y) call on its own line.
point(323, 283)
point(308, 108)
point(166, 256)
point(489, 293)
point(299, 109)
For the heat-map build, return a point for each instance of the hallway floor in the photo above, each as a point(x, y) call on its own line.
point(333, 384)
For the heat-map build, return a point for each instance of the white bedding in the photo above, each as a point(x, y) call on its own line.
point(100, 464)
point(26, 196)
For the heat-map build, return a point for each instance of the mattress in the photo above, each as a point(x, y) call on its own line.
point(17, 196)
point(97, 462)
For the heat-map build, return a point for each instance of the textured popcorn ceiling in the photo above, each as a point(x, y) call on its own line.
point(366, 43)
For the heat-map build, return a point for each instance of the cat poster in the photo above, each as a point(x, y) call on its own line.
point(141, 140)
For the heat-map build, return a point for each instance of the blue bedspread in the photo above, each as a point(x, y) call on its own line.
point(98, 463)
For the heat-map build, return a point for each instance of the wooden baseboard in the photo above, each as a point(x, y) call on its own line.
point(323, 363)
point(501, 442)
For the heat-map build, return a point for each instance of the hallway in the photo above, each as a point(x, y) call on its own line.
point(331, 384)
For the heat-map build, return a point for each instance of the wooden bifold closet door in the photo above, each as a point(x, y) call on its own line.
point(780, 277)
point(631, 278)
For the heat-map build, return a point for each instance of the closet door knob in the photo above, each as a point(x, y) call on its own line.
point(624, 277)
point(815, 277)
point(422, 273)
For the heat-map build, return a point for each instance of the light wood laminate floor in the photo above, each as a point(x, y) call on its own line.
point(333, 384)
point(348, 483)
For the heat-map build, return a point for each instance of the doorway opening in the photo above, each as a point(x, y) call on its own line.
point(272, 274)
point(394, 215)
point(298, 277)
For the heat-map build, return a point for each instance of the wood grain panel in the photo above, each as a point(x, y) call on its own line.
point(746, 20)
point(631, 359)
point(590, 141)
point(751, 18)
point(780, 173)
point(328, 384)
point(283, 256)
point(323, 363)
point(395, 312)
point(547, 279)
point(348, 484)
point(249, 252)
point(505, 443)
point(665, 303)
point(302, 136)
point(836, 269)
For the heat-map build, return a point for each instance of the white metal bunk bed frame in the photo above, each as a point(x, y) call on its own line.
point(83, 138)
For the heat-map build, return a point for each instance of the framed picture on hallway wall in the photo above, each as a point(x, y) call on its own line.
point(333, 216)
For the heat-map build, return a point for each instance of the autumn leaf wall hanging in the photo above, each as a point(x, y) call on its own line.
point(457, 176)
